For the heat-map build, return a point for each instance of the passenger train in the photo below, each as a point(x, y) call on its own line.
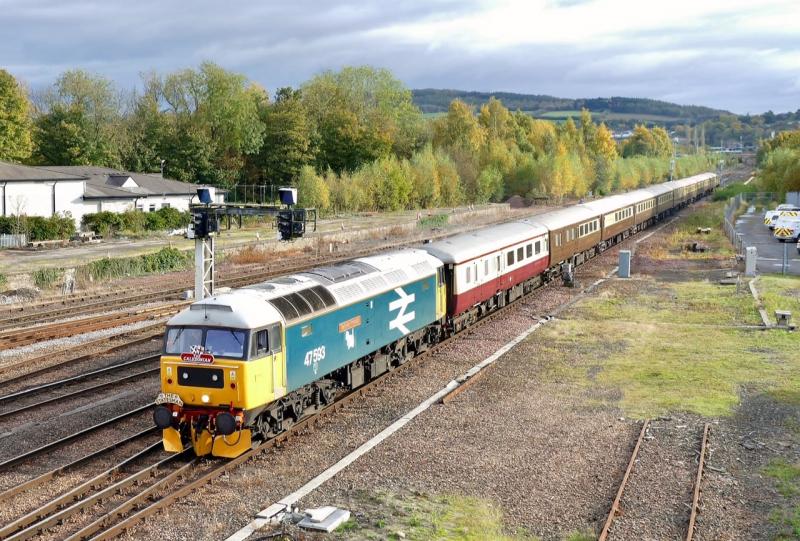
point(244, 365)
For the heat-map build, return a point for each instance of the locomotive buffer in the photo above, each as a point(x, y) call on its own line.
point(292, 223)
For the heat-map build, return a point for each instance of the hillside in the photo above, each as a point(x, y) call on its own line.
point(614, 110)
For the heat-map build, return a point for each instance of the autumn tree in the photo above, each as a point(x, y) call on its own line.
point(15, 124)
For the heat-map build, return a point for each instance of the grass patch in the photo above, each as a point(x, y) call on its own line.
point(786, 475)
point(732, 190)
point(787, 482)
point(780, 293)
point(3, 281)
point(437, 220)
point(46, 278)
point(662, 349)
point(420, 517)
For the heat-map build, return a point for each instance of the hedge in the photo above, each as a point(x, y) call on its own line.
point(135, 221)
point(37, 227)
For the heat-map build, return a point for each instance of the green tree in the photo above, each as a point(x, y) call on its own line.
point(287, 139)
point(459, 129)
point(641, 143)
point(210, 122)
point(15, 125)
point(359, 114)
point(80, 122)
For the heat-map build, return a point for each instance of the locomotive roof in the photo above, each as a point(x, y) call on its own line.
point(298, 296)
point(239, 308)
point(466, 246)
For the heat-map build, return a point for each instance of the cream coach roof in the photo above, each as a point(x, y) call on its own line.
point(560, 218)
point(466, 246)
point(612, 203)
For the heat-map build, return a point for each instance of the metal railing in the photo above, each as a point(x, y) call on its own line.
point(731, 213)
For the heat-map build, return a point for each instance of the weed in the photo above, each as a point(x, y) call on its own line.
point(46, 278)
point(350, 526)
point(3, 280)
point(165, 260)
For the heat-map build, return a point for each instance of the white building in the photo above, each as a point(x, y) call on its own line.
point(78, 190)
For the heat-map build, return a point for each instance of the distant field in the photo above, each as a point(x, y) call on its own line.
point(603, 116)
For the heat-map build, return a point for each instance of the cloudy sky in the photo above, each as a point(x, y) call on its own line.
point(739, 55)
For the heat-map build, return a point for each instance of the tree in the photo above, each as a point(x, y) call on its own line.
point(458, 129)
point(287, 139)
point(312, 191)
point(15, 125)
point(210, 122)
point(369, 108)
point(80, 122)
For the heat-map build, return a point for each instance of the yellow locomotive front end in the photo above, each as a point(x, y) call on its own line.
point(220, 367)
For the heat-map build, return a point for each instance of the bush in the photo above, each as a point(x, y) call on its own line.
point(38, 228)
point(46, 278)
point(107, 223)
point(732, 190)
point(165, 260)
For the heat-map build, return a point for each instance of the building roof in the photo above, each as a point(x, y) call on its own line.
point(105, 182)
point(12, 172)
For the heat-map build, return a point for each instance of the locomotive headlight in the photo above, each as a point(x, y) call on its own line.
point(205, 399)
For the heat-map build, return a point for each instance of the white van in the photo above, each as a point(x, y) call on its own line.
point(771, 216)
point(787, 228)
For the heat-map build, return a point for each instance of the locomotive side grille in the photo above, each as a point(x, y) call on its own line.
point(192, 376)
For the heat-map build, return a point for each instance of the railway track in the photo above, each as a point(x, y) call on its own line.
point(52, 331)
point(88, 304)
point(43, 394)
point(62, 442)
point(169, 479)
point(191, 474)
point(616, 510)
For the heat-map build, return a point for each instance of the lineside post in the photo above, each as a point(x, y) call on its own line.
point(203, 267)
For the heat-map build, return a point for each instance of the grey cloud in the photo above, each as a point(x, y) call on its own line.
point(281, 44)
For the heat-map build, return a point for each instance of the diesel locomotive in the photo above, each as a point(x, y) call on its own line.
point(244, 365)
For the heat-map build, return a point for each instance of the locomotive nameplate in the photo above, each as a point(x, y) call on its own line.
point(351, 323)
point(169, 398)
point(200, 358)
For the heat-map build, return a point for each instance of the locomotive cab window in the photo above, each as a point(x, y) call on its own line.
point(260, 345)
point(220, 342)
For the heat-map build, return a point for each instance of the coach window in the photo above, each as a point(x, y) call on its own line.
point(469, 274)
point(529, 250)
point(520, 253)
point(486, 268)
point(558, 239)
point(510, 258)
point(538, 246)
point(497, 263)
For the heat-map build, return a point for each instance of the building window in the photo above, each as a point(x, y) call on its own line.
point(165, 205)
point(152, 207)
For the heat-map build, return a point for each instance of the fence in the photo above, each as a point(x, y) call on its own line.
point(13, 241)
point(732, 212)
